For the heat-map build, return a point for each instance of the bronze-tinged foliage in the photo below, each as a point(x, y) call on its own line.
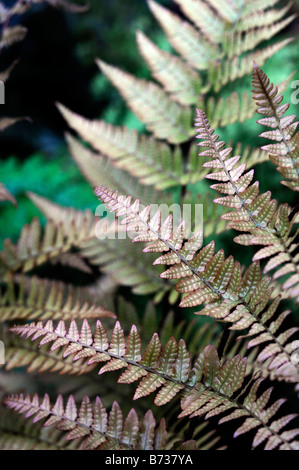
point(86, 314)
point(206, 277)
point(272, 226)
point(99, 429)
point(207, 388)
point(284, 154)
point(41, 299)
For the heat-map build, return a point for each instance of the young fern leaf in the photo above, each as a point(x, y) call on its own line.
point(207, 277)
point(207, 389)
point(44, 300)
point(194, 168)
point(96, 428)
point(234, 108)
point(252, 212)
point(285, 153)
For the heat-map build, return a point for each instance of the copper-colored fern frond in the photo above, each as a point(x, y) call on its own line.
point(285, 153)
point(209, 388)
point(208, 278)
point(12, 35)
point(223, 73)
point(111, 255)
point(181, 81)
point(99, 169)
point(258, 214)
point(145, 158)
point(43, 300)
point(34, 249)
point(101, 430)
point(163, 117)
point(19, 433)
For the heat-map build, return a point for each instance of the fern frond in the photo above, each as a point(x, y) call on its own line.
point(33, 249)
point(6, 122)
point(45, 300)
point(12, 35)
point(5, 74)
point(113, 256)
point(185, 39)
point(208, 278)
point(97, 168)
point(17, 433)
point(42, 360)
point(150, 161)
point(196, 172)
point(235, 28)
point(182, 82)
point(162, 116)
point(208, 388)
point(5, 195)
point(169, 367)
point(223, 73)
point(254, 19)
point(234, 108)
point(100, 430)
point(252, 212)
point(256, 7)
point(204, 18)
point(285, 153)
point(237, 43)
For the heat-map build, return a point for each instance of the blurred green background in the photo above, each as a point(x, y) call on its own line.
point(57, 64)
